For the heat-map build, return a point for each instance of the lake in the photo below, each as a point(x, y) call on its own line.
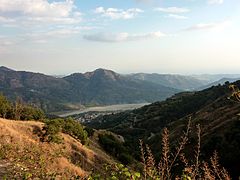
point(110, 108)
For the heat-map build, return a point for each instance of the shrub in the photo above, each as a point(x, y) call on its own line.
point(68, 126)
point(90, 131)
point(75, 129)
point(115, 172)
point(115, 148)
point(31, 113)
point(125, 158)
point(51, 130)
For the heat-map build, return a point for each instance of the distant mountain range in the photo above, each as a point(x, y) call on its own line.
point(218, 82)
point(175, 81)
point(100, 87)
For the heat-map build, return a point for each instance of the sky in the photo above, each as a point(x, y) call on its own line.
point(127, 36)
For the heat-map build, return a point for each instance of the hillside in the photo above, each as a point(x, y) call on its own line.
point(211, 108)
point(98, 87)
point(23, 155)
point(47, 92)
point(220, 81)
point(169, 80)
point(209, 78)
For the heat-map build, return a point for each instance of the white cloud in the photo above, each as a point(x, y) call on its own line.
point(172, 10)
point(209, 26)
point(121, 37)
point(215, 1)
point(39, 11)
point(37, 8)
point(175, 16)
point(60, 32)
point(6, 20)
point(114, 13)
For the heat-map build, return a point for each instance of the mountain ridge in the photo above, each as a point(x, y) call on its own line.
point(98, 87)
point(171, 80)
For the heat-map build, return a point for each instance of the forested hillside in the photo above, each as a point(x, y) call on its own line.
point(217, 115)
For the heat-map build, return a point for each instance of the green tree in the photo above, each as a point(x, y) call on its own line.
point(5, 106)
point(31, 113)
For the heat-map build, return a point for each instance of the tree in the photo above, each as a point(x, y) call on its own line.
point(31, 113)
point(18, 108)
point(5, 106)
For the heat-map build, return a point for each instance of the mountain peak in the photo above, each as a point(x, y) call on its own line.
point(105, 71)
point(3, 68)
point(100, 72)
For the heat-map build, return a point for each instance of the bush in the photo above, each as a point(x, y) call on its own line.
point(90, 131)
point(31, 113)
point(115, 148)
point(116, 171)
point(68, 126)
point(75, 129)
point(52, 128)
point(125, 158)
point(55, 138)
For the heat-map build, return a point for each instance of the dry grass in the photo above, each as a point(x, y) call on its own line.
point(192, 169)
point(28, 156)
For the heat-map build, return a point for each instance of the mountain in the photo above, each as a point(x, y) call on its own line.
point(35, 88)
point(211, 108)
point(98, 87)
point(210, 78)
point(221, 81)
point(3, 68)
point(107, 87)
point(169, 80)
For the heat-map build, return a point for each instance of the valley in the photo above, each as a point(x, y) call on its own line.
point(109, 128)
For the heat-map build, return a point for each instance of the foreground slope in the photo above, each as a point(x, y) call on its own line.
point(23, 155)
point(211, 108)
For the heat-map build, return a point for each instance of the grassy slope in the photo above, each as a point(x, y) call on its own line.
point(22, 154)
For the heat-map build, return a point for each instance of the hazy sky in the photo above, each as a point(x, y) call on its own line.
point(164, 36)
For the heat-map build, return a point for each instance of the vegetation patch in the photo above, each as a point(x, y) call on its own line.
point(19, 110)
point(69, 126)
point(115, 148)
